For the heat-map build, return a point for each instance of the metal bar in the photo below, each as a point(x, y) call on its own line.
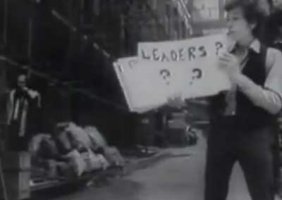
point(3, 183)
point(72, 89)
point(5, 22)
point(63, 20)
point(29, 47)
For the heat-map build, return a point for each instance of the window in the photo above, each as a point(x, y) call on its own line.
point(205, 10)
point(167, 10)
point(96, 7)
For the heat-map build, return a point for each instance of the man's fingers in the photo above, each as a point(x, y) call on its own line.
point(224, 59)
point(228, 54)
point(225, 55)
point(175, 102)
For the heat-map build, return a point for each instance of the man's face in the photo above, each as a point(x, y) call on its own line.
point(264, 7)
point(238, 28)
point(21, 81)
point(277, 4)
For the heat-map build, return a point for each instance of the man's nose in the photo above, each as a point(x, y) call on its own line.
point(229, 24)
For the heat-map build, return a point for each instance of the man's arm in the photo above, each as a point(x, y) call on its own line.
point(265, 98)
point(268, 97)
point(9, 106)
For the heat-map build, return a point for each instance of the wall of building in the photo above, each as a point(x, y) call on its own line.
point(69, 47)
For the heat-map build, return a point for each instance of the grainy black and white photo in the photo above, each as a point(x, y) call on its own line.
point(141, 99)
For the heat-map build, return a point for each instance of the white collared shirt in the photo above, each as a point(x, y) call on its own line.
point(268, 97)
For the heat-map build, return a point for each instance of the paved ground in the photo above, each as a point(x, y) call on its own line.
point(176, 177)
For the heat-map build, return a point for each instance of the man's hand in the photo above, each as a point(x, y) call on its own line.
point(33, 94)
point(230, 64)
point(176, 102)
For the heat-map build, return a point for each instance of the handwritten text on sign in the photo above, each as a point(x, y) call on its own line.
point(144, 87)
point(182, 50)
point(199, 58)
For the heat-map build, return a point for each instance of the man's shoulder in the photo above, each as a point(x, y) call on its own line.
point(12, 92)
point(273, 51)
point(273, 55)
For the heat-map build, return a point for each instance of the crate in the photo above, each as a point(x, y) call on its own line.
point(16, 161)
point(177, 136)
point(17, 183)
point(177, 124)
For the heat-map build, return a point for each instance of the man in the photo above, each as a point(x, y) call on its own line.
point(243, 120)
point(265, 6)
point(22, 109)
point(274, 39)
point(277, 4)
point(275, 29)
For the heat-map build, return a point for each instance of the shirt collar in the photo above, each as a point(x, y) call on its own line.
point(255, 46)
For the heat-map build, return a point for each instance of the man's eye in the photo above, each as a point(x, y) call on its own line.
point(233, 19)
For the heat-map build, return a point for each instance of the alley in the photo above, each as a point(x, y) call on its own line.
point(86, 86)
point(177, 177)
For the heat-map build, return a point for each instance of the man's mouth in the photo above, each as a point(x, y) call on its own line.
point(230, 32)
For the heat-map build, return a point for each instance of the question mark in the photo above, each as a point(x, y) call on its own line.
point(197, 74)
point(219, 46)
point(165, 74)
point(119, 67)
point(131, 63)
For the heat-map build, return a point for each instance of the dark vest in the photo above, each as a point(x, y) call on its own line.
point(248, 115)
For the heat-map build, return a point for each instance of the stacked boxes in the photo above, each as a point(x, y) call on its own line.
point(17, 167)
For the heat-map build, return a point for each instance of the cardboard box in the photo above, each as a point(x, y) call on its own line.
point(177, 137)
point(17, 184)
point(16, 161)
